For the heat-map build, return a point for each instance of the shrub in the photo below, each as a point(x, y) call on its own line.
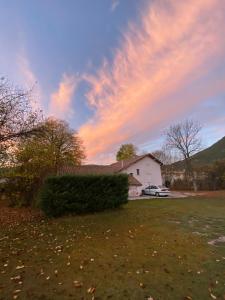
point(82, 194)
point(182, 185)
point(19, 190)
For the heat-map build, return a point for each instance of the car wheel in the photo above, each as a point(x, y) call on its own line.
point(157, 194)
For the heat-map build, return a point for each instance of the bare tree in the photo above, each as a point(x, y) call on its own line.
point(164, 155)
point(184, 137)
point(17, 117)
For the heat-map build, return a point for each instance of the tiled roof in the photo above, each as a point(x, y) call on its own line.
point(106, 169)
point(124, 164)
point(85, 169)
point(94, 169)
point(133, 181)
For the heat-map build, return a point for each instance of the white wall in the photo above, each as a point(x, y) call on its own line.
point(134, 191)
point(150, 172)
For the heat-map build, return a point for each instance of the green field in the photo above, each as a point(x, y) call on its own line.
point(151, 248)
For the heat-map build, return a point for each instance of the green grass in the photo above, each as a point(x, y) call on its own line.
point(156, 248)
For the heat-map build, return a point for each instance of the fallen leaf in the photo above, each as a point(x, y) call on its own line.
point(20, 267)
point(16, 278)
point(78, 284)
point(42, 272)
point(91, 290)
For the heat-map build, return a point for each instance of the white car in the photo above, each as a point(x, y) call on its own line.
point(156, 190)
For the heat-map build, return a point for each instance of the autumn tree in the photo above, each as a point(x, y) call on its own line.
point(126, 151)
point(42, 155)
point(56, 145)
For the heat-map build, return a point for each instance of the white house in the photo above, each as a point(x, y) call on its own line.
point(145, 169)
point(142, 170)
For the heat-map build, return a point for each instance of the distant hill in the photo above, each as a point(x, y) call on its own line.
point(206, 156)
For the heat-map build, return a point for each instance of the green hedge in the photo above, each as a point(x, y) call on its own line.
point(82, 194)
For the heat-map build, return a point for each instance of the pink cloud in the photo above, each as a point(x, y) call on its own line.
point(178, 43)
point(61, 100)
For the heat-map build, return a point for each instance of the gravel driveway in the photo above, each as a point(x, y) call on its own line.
point(173, 194)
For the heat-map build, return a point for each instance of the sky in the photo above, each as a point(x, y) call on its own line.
point(119, 71)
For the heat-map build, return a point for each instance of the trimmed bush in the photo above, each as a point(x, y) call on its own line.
point(83, 194)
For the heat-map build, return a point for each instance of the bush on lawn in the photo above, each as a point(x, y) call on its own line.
point(82, 194)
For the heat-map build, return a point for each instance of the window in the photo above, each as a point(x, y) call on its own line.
point(138, 172)
point(131, 174)
point(153, 187)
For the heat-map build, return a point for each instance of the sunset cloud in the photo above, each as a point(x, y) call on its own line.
point(61, 100)
point(156, 74)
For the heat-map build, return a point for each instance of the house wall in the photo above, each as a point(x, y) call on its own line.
point(133, 191)
point(150, 172)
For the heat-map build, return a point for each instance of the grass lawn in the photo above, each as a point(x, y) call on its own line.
point(151, 248)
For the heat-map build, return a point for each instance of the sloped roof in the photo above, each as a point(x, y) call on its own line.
point(105, 169)
point(133, 181)
point(94, 169)
point(85, 169)
point(124, 164)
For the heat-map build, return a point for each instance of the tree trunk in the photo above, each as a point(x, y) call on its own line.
point(190, 174)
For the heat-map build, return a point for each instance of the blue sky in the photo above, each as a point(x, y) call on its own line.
point(119, 70)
